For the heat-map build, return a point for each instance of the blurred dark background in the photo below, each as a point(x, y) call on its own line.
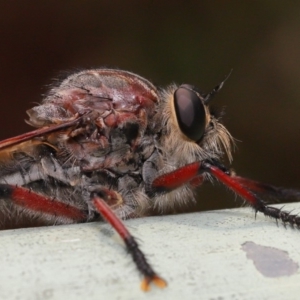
point(195, 42)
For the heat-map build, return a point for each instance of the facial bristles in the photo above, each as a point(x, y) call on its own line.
point(215, 142)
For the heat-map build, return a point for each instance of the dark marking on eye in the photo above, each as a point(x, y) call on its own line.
point(190, 112)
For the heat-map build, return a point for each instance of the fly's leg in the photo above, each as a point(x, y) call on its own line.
point(132, 246)
point(246, 189)
point(268, 190)
point(33, 201)
point(257, 203)
point(39, 203)
point(170, 181)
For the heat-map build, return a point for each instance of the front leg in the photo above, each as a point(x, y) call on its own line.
point(246, 189)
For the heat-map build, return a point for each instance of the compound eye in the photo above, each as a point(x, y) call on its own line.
point(190, 113)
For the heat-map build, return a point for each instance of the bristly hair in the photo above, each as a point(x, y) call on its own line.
point(215, 142)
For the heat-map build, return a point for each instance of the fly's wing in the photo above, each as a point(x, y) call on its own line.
point(37, 133)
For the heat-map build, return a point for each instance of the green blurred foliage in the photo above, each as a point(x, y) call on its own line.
point(195, 42)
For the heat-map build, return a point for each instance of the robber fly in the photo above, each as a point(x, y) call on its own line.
point(111, 146)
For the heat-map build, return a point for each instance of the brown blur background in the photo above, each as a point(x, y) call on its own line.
point(195, 42)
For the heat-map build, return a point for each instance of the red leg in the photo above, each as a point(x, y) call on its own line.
point(243, 187)
point(131, 244)
point(36, 202)
point(177, 178)
point(267, 189)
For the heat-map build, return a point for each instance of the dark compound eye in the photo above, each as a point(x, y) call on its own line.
point(190, 112)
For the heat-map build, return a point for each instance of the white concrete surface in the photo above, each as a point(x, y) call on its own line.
point(208, 255)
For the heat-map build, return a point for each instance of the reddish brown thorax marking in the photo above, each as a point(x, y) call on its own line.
point(111, 120)
point(117, 118)
point(72, 97)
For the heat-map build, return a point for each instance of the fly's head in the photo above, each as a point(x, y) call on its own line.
point(190, 132)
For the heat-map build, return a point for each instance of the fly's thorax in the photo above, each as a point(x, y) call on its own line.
point(99, 90)
point(115, 107)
